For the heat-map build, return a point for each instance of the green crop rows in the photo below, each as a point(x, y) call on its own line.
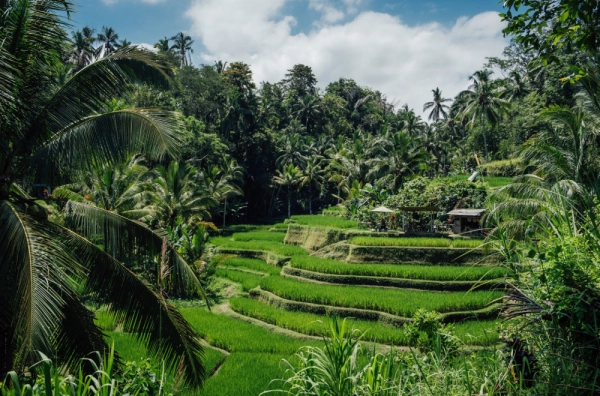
point(248, 281)
point(324, 221)
point(471, 333)
point(259, 236)
point(270, 246)
point(394, 301)
point(251, 264)
point(416, 242)
point(236, 336)
point(403, 271)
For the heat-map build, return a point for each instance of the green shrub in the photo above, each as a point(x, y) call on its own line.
point(323, 221)
point(404, 271)
point(394, 301)
point(427, 333)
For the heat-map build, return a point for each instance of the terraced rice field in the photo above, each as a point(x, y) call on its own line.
point(416, 242)
point(398, 302)
point(405, 271)
point(249, 337)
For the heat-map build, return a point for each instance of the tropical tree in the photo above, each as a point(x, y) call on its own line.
point(483, 101)
point(398, 156)
point(182, 46)
point(307, 109)
point(82, 53)
point(176, 193)
point(312, 175)
point(162, 45)
point(109, 41)
point(288, 177)
point(49, 134)
point(437, 106)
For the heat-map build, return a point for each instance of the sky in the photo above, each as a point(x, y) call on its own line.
point(403, 48)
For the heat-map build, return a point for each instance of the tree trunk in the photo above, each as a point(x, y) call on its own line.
point(289, 201)
point(484, 137)
point(224, 212)
point(309, 198)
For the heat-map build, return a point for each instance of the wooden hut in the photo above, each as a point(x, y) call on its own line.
point(466, 220)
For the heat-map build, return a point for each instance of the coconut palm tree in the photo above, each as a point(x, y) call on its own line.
point(177, 193)
point(82, 53)
point(162, 45)
point(288, 176)
point(109, 41)
point(182, 45)
point(50, 134)
point(483, 101)
point(397, 156)
point(437, 106)
point(312, 175)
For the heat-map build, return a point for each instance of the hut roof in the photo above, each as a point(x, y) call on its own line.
point(467, 212)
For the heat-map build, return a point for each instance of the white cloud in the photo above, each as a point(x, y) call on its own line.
point(375, 49)
point(146, 46)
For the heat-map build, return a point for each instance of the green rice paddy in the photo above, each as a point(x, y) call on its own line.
point(416, 242)
point(399, 302)
point(269, 246)
point(404, 271)
point(324, 221)
point(250, 264)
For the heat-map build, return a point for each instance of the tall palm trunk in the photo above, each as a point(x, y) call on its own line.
point(289, 194)
point(309, 198)
point(484, 137)
point(224, 211)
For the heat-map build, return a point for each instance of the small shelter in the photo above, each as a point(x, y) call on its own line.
point(382, 209)
point(466, 220)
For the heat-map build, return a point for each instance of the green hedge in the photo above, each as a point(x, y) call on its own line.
point(394, 282)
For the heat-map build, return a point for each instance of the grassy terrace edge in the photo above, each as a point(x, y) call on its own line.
point(489, 312)
point(359, 280)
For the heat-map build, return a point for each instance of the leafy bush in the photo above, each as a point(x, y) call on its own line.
point(427, 333)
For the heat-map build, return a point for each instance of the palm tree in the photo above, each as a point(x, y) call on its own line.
point(437, 106)
point(49, 134)
point(162, 45)
point(230, 175)
point(294, 148)
point(109, 41)
point(308, 108)
point(176, 193)
point(288, 177)
point(182, 45)
point(123, 43)
point(82, 53)
point(398, 156)
point(312, 174)
point(483, 100)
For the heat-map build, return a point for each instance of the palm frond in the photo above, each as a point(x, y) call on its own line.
point(36, 279)
point(142, 310)
point(123, 235)
point(105, 139)
point(89, 90)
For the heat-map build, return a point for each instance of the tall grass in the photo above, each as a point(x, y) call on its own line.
point(270, 246)
point(324, 221)
point(416, 242)
point(327, 266)
point(251, 264)
point(394, 301)
point(237, 336)
point(259, 236)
